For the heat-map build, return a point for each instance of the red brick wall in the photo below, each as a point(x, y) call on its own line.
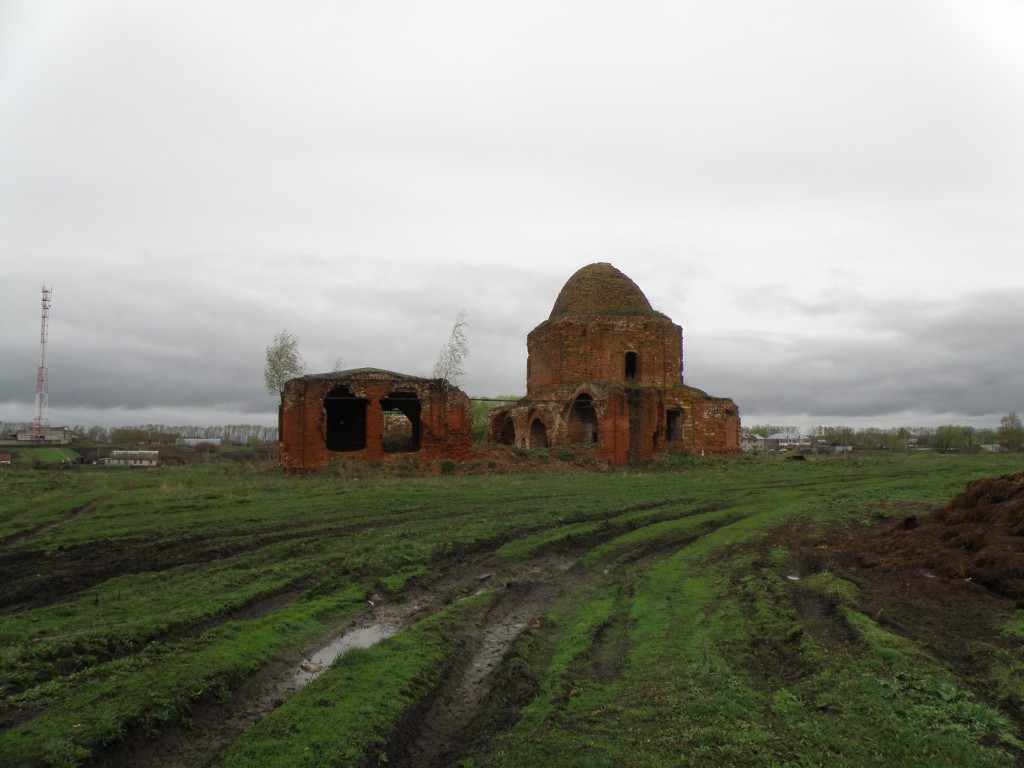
point(710, 424)
point(632, 423)
point(445, 418)
point(578, 348)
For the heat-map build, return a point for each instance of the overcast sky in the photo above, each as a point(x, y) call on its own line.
point(827, 196)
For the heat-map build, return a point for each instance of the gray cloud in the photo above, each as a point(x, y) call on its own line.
point(827, 198)
point(931, 359)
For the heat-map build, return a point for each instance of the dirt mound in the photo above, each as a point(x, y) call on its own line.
point(978, 536)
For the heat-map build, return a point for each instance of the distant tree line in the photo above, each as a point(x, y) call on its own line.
point(161, 434)
point(946, 438)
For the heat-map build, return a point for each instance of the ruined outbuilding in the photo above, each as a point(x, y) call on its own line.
point(368, 414)
point(606, 370)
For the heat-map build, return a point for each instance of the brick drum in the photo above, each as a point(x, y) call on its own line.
point(606, 369)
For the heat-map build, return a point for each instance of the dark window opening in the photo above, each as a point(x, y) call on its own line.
point(674, 426)
point(401, 432)
point(632, 366)
point(538, 434)
point(583, 420)
point(346, 420)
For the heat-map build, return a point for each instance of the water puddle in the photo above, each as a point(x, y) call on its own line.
point(215, 725)
point(362, 637)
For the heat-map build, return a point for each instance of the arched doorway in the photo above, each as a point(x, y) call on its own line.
point(583, 420)
point(503, 429)
point(538, 434)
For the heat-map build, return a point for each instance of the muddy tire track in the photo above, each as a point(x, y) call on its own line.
point(434, 732)
point(39, 529)
point(436, 736)
point(36, 578)
point(433, 735)
point(212, 725)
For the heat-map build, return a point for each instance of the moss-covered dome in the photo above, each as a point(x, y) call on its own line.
point(599, 288)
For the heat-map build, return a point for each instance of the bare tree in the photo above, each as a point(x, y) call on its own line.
point(454, 354)
point(283, 361)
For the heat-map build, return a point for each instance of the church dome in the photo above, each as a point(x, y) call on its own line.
point(599, 288)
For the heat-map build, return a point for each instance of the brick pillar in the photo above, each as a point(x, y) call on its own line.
point(374, 428)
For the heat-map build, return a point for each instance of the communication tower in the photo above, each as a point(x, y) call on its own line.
point(42, 384)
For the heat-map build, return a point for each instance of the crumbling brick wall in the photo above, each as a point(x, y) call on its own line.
point(354, 413)
point(630, 424)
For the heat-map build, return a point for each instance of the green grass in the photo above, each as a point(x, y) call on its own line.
point(688, 687)
point(675, 647)
point(703, 627)
point(160, 681)
point(38, 455)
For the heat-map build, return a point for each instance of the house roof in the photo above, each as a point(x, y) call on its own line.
point(784, 436)
point(375, 373)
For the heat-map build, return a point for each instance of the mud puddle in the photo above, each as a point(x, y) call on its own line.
point(321, 659)
point(211, 726)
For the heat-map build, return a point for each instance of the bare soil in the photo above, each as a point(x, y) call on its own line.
point(945, 578)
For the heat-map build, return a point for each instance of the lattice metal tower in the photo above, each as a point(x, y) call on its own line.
point(42, 396)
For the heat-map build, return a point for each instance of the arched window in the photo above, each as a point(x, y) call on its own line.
point(674, 425)
point(632, 366)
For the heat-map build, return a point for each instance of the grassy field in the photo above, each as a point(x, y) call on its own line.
point(38, 455)
point(129, 598)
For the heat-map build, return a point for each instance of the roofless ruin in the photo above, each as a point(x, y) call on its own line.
point(604, 370)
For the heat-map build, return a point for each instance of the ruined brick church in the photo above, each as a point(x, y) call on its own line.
point(605, 370)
